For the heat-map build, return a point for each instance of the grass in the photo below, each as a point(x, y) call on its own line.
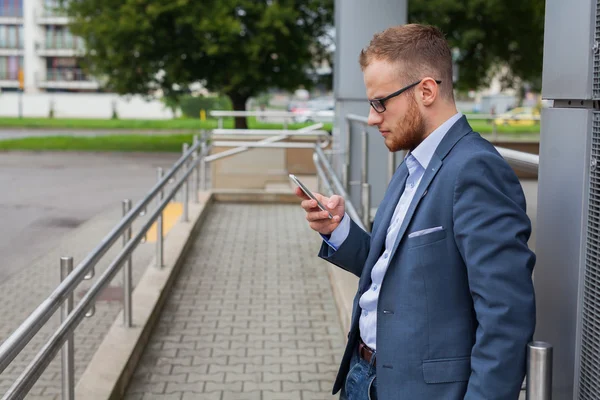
point(135, 124)
point(125, 143)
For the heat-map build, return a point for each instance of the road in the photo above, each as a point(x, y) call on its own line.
point(7, 133)
point(46, 195)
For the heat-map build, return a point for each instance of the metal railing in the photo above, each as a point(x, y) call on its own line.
point(521, 161)
point(67, 75)
point(286, 117)
point(65, 43)
point(12, 46)
point(62, 296)
point(9, 75)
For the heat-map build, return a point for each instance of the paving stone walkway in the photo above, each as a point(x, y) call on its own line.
point(251, 315)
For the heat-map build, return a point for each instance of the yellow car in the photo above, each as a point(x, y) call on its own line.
point(520, 116)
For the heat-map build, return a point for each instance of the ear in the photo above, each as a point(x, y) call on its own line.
point(429, 91)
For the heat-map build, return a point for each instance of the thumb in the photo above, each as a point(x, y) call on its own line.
point(334, 201)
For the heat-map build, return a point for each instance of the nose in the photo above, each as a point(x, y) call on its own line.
point(374, 118)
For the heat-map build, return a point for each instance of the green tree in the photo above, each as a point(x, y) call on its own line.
point(490, 35)
point(235, 47)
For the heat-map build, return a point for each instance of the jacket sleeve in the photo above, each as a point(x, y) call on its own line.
point(352, 253)
point(491, 230)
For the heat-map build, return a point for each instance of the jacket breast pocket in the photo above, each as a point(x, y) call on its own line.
point(447, 370)
point(427, 238)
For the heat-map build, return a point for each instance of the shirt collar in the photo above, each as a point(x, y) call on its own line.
point(424, 151)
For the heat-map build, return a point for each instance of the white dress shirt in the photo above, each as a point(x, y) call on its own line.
point(417, 162)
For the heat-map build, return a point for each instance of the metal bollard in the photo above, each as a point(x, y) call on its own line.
point(196, 172)
point(159, 226)
point(127, 271)
point(68, 349)
point(539, 371)
point(186, 187)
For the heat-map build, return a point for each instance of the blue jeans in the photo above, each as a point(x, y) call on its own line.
point(361, 382)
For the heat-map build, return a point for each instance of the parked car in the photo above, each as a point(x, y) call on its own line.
point(315, 110)
point(520, 116)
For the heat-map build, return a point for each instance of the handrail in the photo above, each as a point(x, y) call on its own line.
point(15, 343)
point(319, 156)
point(272, 113)
point(45, 356)
point(520, 160)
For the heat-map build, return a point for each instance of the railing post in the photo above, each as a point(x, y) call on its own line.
point(346, 167)
point(391, 165)
point(186, 187)
point(68, 349)
point(159, 225)
point(220, 123)
point(366, 187)
point(539, 371)
point(127, 272)
point(203, 165)
point(196, 172)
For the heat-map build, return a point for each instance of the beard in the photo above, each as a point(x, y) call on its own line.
point(409, 132)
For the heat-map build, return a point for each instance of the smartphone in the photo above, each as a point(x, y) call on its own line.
point(309, 193)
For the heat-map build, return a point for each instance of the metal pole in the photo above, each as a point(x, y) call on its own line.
point(539, 371)
point(391, 165)
point(346, 169)
point(366, 188)
point(203, 155)
point(186, 189)
point(68, 349)
point(159, 226)
point(127, 272)
point(197, 172)
point(20, 103)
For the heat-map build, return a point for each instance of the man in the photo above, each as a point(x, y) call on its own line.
point(445, 303)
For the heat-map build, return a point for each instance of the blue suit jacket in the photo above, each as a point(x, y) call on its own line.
point(456, 307)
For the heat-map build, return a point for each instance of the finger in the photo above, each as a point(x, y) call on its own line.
point(298, 192)
point(309, 205)
point(317, 216)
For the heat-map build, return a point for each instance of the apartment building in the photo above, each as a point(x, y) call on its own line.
point(35, 39)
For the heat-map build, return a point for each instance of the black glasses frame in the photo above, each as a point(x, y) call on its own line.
point(379, 104)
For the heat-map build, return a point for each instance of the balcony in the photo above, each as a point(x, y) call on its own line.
point(62, 47)
point(9, 79)
point(11, 15)
point(52, 16)
point(11, 48)
point(67, 78)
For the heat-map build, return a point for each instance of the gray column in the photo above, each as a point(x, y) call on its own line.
point(568, 301)
point(356, 21)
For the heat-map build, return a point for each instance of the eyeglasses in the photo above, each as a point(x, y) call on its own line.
point(379, 104)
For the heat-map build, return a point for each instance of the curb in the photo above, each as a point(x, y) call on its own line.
point(110, 370)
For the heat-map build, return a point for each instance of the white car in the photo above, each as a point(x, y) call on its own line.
point(317, 110)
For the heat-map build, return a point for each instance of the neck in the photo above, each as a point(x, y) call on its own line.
point(439, 116)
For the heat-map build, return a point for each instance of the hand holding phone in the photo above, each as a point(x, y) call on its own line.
point(309, 193)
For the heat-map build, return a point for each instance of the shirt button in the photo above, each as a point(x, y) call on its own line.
point(385, 255)
point(365, 313)
point(412, 185)
point(374, 287)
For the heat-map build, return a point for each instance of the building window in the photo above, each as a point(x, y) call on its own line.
point(11, 8)
point(11, 36)
point(9, 67)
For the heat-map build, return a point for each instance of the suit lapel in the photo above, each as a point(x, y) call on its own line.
point(454, 134)
point(383, 218)
point(434, 166)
